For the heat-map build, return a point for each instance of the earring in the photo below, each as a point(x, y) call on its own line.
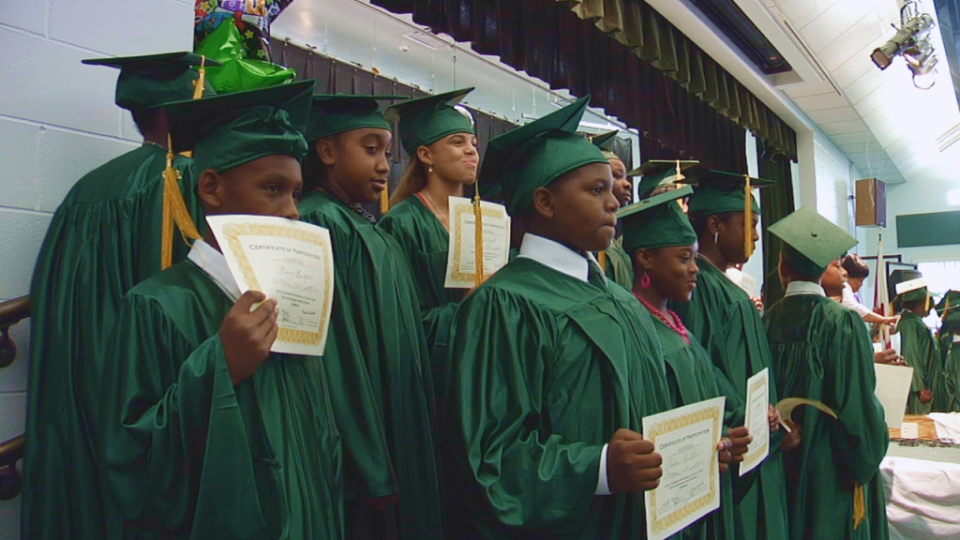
point(716, 237)
point(645, 280)
point(430, 170)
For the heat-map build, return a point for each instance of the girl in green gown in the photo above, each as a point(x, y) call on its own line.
point(920, 351)
point(439, 138)
point(949, 309)
point(376, 356)
point(726, 322)
point(664, 246)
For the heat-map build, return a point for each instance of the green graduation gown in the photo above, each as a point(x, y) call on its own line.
point(186, 453)
point(822, 352)
point(619, 267)
point(950, 352)
point(103, 239)
point(919, 351)
point(546, 368)
point(691, 379)
point(378, 367)
point(425, 243)
point(726, 322)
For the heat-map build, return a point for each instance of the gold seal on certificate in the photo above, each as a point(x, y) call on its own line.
point(462, 258)
point(758, 402)
point(290, 261)
point(686, 438)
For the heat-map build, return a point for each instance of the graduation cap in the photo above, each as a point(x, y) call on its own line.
point(424, 121)
point(150, 81)
point(337, 113)
point(811, 241)
point(605, 142)
point(949, 306)
point(660, 173)
point(907, 286)
point(533, 156)
point(657, 222)
point(719, 192)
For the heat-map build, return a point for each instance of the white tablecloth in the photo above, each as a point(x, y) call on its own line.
point(923, 498)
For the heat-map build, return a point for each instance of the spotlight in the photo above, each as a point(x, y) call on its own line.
point(912, 42)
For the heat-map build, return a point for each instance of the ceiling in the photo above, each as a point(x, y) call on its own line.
point(885, 125)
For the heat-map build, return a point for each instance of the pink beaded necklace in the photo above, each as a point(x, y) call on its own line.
point(675, 324)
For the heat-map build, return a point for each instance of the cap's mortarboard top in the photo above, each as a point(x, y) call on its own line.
point(533, 156)
point(718, 192)
point(152, 80)
point(424, 121)
point(949, 306)
point(233, 129)
point(660, 172)
point(605, 142)
point(657, 222)
point(336, 113)
point(811, 241)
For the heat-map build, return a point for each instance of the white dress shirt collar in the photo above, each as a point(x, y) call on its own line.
point(556, 256)
point(798, 288)
point(211, 261)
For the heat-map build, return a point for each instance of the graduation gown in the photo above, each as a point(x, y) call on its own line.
point(950, 353)
point(920, 352)
point(188, 454)
point(821, 352)
point(691, 379)
point(546, 368)
point(103, 239)
point(619, 266)
point(425, 243)
point(727, 324)
point(378, 366)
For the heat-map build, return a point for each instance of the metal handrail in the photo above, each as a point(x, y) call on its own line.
point(11, 312)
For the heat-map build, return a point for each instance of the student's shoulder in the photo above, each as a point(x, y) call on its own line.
point(531, 282)
point(112, 179)
point(176, 286)
point(323, 210)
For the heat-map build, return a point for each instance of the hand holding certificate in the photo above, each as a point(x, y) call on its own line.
point(289, 261)
point(686, 438)
point(461, 259)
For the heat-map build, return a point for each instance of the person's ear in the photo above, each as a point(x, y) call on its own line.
point(713, 224)
point(326, 150)
point(644, 258)
point(425, 155)
point(544, 203)
point(210, 189)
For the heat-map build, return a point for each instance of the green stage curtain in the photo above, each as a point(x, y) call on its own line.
point(775, 203)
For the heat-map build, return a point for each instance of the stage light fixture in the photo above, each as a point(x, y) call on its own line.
point(912, 42)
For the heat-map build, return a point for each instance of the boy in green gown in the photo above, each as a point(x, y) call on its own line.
point(204, 433)
point(663, 244)
point(377, 357)
point(552, 365)
point(821, 352)
point(726, 322)
point(103, 239)
point(917, 346)
point(949, 342)
point(411, 222)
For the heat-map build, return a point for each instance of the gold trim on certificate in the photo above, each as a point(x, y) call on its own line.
point(461, 254)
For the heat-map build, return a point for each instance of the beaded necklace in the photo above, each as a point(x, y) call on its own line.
point(675, 324)
point(335, 193)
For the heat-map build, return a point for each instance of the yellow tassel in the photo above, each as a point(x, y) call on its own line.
point(747, 219)
point(199, 83)
point(679, 175)
point(859, 507)
point(478, 239)
point(385, 199)
point(174, 212)
point(602, 259)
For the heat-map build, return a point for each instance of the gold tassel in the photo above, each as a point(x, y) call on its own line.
point(174, 212)
point(859, 507)
point(478, 238)
point(747, 219)
point(679, 175)
point(385, 199)
point(199, 83)
point(602, 260)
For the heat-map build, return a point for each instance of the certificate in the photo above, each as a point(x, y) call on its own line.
point(462, 255)
point(686, 438)
point(289, 261)
point(892, 391)
point(758, 400)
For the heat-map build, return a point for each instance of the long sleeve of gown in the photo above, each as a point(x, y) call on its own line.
point(864, 437)
point(528, 476)
point(172, 438)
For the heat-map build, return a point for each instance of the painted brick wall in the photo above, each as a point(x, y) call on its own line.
point(58, 121)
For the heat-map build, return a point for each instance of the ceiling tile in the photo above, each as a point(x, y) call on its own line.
point(801, 12)
point(854, 68)
point(837, 19)
point(865, 32)
point(821, 102)
point(863, 86)
point(804, 90)
point(840, 128)
point(829, 116)
point(860, 138)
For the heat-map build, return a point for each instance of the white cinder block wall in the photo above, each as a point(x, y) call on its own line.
point(58, 121)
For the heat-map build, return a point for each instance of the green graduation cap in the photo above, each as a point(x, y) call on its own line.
point(657, 222)
point(907, 285)
point(337, 113)
point(605, 142)
point(533, 156)
point(150, 81)
point(233, 129)
point(811, 241)
point(718, 192)
point(660, 172)
point(949, 306)
point(424, 121)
